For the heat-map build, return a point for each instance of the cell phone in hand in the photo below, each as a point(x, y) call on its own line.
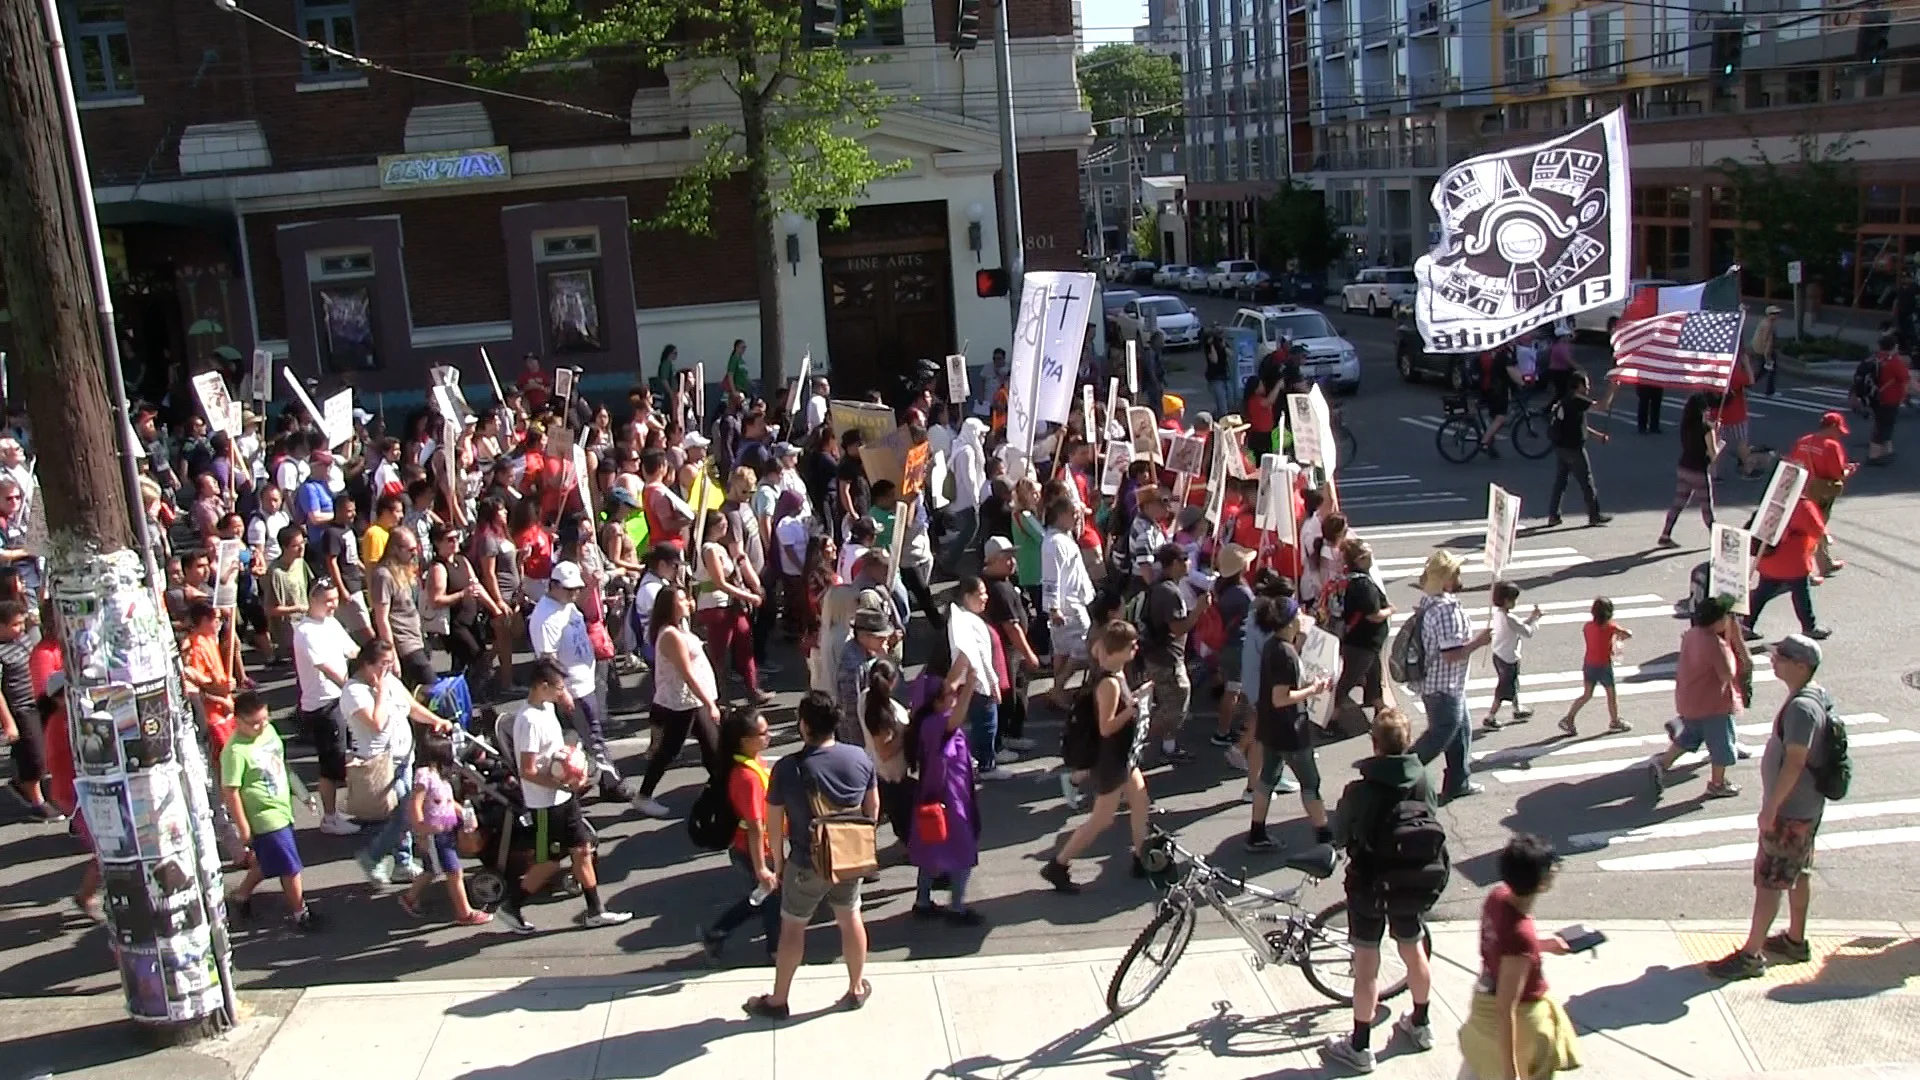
point(1580, 939)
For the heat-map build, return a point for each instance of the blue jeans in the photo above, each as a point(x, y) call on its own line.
point(1447, 733)
point(923, 890)
point(983, 730)
point(396, 834)
point(1716, 733)
point(1223, 397)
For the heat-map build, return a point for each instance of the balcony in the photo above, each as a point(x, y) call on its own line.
point(1379, 30)
point(1526, 74)
point(1431, 85)
point(1431, 19)
point(1515, 8)
point(1669, 50)
point(1378, 159)
point(1297, 54)
point(1334, 101)
point(1604, 61)
point(1335, 45)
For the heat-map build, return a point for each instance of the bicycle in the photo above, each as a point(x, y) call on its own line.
point(1346, 443)
point(1463, 433)
point(1318, 943)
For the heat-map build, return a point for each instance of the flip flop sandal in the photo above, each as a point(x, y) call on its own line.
point(857, 998)
point(409, 905)
point(766, 1010)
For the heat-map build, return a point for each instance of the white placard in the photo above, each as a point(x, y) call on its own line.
point(499, 396)
point(211, 388)
point(957, 386)
point(336, 418)
point(1320, 659)
point(1730, 568)
point(1503, 523)
point(1119, 456)
point(1273, 508)
point(700, 394)
point(796, 392)
point(1216, 510)
point(1116, 428)
point(1323, 430)
point(1144, 430)
point(262, 375)
point(1023, 373)
point(226, 573)
point(1231, 445)
point(236, 419)
point(1776, 507)
point(1133, 367)
point(563, 384)
point(1063, 334)
point(583, 479)
point(1186, 454)
point(1086, 415)
point(1306, 434)
point(300, 395)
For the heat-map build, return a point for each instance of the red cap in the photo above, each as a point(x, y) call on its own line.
point(1835, 420)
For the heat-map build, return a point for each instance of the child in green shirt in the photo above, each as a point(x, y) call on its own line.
point(254, 782)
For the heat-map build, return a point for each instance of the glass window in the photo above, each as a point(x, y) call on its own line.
point(98, 50)
point(1722, 203)
point(886, 26)
point(331, 24)
point(1879, 271)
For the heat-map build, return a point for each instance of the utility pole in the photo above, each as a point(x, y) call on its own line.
point(142, 780)
point(1126, 149)
point(1014, 257)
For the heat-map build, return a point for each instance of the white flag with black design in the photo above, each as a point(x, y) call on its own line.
point(1527, 236)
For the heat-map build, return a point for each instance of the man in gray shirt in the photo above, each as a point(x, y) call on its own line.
point(1790, 810)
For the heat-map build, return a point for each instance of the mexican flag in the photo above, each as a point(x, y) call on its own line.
point(1717, 294)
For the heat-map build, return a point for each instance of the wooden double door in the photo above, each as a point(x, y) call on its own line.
point(888, 281)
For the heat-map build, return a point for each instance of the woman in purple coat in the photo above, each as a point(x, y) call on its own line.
point(939, 742)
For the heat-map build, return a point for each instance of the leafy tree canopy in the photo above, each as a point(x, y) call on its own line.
point(1120, 79)
point(1296, 226)
point(1804, 208)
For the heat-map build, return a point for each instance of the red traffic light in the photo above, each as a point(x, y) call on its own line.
point(991, 281)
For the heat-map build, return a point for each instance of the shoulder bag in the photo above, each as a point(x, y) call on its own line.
point(842, 841)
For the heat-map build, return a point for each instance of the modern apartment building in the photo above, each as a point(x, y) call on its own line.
point(1161, 32)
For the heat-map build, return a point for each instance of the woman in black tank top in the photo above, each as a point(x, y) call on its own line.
point(451, 586)
point(1107, 705)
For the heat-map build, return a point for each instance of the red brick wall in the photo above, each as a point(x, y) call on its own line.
point(1026, 18)
point(1050, 211)
point(456, 259)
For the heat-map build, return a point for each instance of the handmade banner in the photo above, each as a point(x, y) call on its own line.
point(336, 418)
point(226, 574)
point(1216, 510)
point(1776, 506)
point(1503, 524)
point(563, 385)
point(1063, 336)
point(1528, 236)
point(1144, 429)
point(1231, 445)
point(1730, 570)
point(1119, 456)
point(1186, 454)
point(1273, 500)
point(262, 377)
point(1024, 362)
point(210, 387)
point(447, 397)
point(957, 386)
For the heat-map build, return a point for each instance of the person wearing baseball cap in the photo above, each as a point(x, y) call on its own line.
point(1798, 751)
point(1823, 454)
point(558, 632)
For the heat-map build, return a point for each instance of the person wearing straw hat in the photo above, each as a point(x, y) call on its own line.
point(1448, 641)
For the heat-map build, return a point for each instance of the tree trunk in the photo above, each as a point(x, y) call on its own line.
point(140, 775)
point(766, 256)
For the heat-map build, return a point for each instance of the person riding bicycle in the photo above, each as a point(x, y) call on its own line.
point(1497, 376)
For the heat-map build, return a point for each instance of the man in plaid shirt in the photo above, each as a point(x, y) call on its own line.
point(1449, 642)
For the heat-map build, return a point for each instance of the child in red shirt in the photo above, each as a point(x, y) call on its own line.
point(1603, 637)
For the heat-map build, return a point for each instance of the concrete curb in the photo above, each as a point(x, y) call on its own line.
point(1826, 374)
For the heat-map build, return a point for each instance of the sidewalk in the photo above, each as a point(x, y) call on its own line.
point(1644, 1008)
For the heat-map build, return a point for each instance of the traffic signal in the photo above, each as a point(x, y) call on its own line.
point(820, 24)
point(1871, 45)
point(1729, 39)
point(966, 29)
point(992, 281)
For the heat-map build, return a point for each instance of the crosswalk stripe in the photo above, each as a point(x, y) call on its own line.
point(1623, 687)
point(1424, 423)
point(1422, 530)
point(1524, 559)
point(1520, 756)
point(1687, 828)
point(1558, 612)
point(1865, 741)
point(1392, 480)
point(1433, 499)
point(1417, 561)
point(1725, 854)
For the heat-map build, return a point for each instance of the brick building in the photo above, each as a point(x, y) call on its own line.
point(352, 220)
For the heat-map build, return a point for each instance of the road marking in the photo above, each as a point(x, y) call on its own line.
point(1516, 757)
point(1384, 501)
point(1868, 740)
point(1476, 563)
point(1424, 423)
point(1393, 480)
point(1725, 854)
point(1688, 828)
point(1421, 530)
point(1559, 612)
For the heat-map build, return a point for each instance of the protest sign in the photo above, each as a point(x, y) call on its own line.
point(1216, 510)
point(1063, 335)
point(1116, 429)
point(563, 385)
point(583, 479)
point(1783, 494)
point(700, 393)
point(1231, 444)
point(236, 418)
point(957, 387)
point(1133, 367)
point(499, 396)
point(1087, 430)
point(1186, 454)
point(226, 573)
point(1273, 502)
point(1503, 523)
point(1730, 569)
point(1320, 659)
point(1119, 456)
point(210, 387)
point(1024, 360)
point(262, 381)
point(913, 472)
point(796, 392)
point(336, 418)
point(1144, 429)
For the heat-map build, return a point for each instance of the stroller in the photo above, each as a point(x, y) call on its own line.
point(487, 781)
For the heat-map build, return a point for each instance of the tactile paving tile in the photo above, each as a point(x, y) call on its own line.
point(1868, 962)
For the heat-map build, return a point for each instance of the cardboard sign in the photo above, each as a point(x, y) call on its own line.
point(1186, 454)
point(1320, 659)
point(957, 385)
point(210, 387)
point(563, 384)
point(1115, 429)
point(226, 573)
point(913, 472)
point(796, 393)
point(1273, 502)
point(1232, 445)
point(1119, 456)
point(336, 418)
point(876, 425)
point(1086, 413)
point(1776, 507)
point(888, 457)
point(1503, 523)
point(1730, 568)
point(1144, 429)
point(262, 387)
point(700, 392)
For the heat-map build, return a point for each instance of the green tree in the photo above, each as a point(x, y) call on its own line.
point(1296, 226)
point(1805, 208)
point(797, 140)
point(1146, 236)
point(1123, 79)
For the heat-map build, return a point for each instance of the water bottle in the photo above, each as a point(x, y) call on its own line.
point(759, 895)
point(468, 821)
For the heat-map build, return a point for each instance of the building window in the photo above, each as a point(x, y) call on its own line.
point(331, 24)
point(1106, 196)
point(341, 283)
point(569, 268)
point(98, 50)
point(886, 27)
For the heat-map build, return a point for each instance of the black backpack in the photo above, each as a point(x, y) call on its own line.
point(1080, 739)
point(1832, 768)
point(1866, 380)
point(1406, 853)
point(712, 821)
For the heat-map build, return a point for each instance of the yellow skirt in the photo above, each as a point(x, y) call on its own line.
point(1547, 1041)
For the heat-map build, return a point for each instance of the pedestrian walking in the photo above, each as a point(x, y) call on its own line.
point(1448, 641)
point(1167, 618)
point(743, 742)
point(944, 843)
point(1568, 430)
point(1787, 567)
point(1823, 454)
point(1693, 476)
point(1102, 731)
point(253, 782)
point(1513, 1028)
point(1602, 637)
point(1284, 735)
point(1707, 697)
point(1510, 634)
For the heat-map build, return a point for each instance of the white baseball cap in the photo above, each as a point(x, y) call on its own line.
point(567, 575)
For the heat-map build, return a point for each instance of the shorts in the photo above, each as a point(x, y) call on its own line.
point(1883, 418)
point(1172, 697)
point(274, 853)
point(322, 728)
point(1786, 853)
point(1506, 682)
point(560, 830)
point(1597, 675)
point(1714, 732)
point(1369, 921)
point(801, 891)
point(1070, 634)
point(1306, 769)
point(443, 855)
point(30, 749)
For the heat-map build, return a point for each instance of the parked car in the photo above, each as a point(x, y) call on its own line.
point(1168, 313)
point(1194, 280)
point(1331, 358)
point(1601, 320)
point(1141, 273)
point(1377, 289)
point(1168, 276)
point(1257, 287)
point(1412, 360)
point(1227, 273)
point(1111, 301)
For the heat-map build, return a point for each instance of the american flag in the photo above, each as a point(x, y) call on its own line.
point(1680, 350)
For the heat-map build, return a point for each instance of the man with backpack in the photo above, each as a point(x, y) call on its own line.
point(1805, 764)
point(1430, 653)
point(1397, 866)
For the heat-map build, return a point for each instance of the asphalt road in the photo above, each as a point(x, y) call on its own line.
point(1678, 858)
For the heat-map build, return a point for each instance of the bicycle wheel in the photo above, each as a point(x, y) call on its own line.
point(1150, 959)
point(1327, 959)
point(1458, 439)
point(1530, 435)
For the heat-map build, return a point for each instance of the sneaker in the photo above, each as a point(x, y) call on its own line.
point(46, 814)
point(1339, 1050)
point(1236, 757)
point(1749, 633)
point(1260, 841)
point(1492, 723)
point(1006, 756)
point(649, 806)
point(1420, 1036)
point(377, 871)
point(1598, 520)
point(995, 773)
point(405, 872)
point(1057, 875)
point(1553, 522)
point(338, 824)
point(1738, 964)
point(1221, 741)
point(305, 921)
point(1521, 714)
point(1285, 785)
point(1175, 756)
point(1022, 745)
point(1666, 542)
point(1722, 790)
point(1819, 633)
point(513, 920)
point(1784, 947)
point(1742, 752)
point(1246, 794)
point(1466, 789)
point(1619, 727)
point(604, 918)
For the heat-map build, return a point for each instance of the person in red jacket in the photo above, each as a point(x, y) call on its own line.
point(1824, 456)
point(1895, 382)
point(1787, 567)
point(1732, 419)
